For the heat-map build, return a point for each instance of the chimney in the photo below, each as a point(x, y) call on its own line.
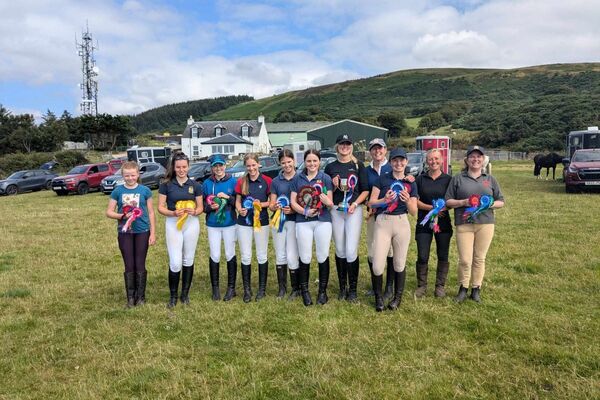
point(190, 120)
point(261, 119)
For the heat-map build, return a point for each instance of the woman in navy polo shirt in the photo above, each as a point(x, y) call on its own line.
point(180, 200)
point(253, 187)
point(313, 220)
point(393, 197)
point(219, 203)
point(284, 242)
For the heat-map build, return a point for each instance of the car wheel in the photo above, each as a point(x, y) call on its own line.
point(48, 185)
point(82, 188)
point(12, 189)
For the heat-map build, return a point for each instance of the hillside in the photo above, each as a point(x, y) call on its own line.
point(523, 109)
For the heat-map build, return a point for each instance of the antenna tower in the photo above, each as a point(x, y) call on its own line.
point(89, 71)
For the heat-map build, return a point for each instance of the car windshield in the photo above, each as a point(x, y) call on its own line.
point(77, 170)
point(195, 168)
point(17, 175)
point(415, 158)
point(586, 156)
point(239, 164)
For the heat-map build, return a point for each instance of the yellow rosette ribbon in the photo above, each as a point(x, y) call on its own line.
point(181, 204)
point(257, 209)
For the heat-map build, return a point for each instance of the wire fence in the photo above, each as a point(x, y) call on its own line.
point(494, 155)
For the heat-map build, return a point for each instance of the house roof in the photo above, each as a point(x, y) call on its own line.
point(207, 128)
point(228, 138)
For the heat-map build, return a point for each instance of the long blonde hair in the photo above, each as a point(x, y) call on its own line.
point(245, 179)
point(354, 159)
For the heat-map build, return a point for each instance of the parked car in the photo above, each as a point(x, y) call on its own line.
point(82, 178)
point(583, 172)
point(416, 163)
point(49, 165)
point(199, 171)
point(27, 180)
point(324, 162)
point(268, 166)
point(150, 174)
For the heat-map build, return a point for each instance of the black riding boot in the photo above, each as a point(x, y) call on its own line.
point(187, 273)
point(353, 280)
point(282, 280)
point(461, 295)
point(140, 290)
point(377, 284)
point(294, 282)
point(422, 269)
point(440, 278)
point(173, 287)
point(246, 276)
point(231, 277)
point(342, 272)
point(323, 281)
point(399, 280)
point(213, 269)
point(263, 271)
point(304, 271)
point(389, 279)
point(129, 288)
point(475, 294)
point(370, 292)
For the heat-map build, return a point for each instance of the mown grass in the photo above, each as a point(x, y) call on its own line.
point(65, 333)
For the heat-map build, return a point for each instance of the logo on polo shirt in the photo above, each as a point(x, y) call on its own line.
point(260, 186)
point(191, 190)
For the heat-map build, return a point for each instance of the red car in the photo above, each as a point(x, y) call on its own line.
point(583, 173)
point(82, 178)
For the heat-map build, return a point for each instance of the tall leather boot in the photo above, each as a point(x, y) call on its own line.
point(281, 280)
point(353, 280)
point(246, 276)
point(440, 278)
point(187, 273)
point(231, 277)
point(389, 279)
point(422, 269)
point(304, 271)
point(140, 288)
point(370, 292)
point(173, 287)
point(263, 270)
point(399, 280)
point(129, 278)
point(342, 272)
point(295, 283)
point(323, 281)
point(213, 269)
point(377, 284)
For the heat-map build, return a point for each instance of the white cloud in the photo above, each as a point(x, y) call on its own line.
point(452, 48)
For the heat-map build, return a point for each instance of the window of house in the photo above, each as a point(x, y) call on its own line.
point(223, 149)
point(194, 132)
point(195, 151)
point(218, 131)
point(245, 130)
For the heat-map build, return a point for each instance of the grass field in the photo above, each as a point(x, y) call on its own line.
point(65, 333)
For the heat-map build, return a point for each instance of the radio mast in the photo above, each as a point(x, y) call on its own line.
point(89, 71)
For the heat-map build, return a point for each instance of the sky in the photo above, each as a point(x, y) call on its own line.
point(156, 52)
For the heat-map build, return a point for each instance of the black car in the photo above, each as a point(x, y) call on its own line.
point(199, 171)
point(150, 174)
point(416, 163)
point(268, 166)
point(27, 180)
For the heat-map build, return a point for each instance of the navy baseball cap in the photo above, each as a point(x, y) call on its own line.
point(471, 149)
point(343, 139)
point(398, 152)
point(216, 159)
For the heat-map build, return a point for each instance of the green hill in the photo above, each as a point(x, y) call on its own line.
point(523, 109)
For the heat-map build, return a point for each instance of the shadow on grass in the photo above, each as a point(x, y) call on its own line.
point(16, 293)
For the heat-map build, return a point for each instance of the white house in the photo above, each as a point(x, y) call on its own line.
point(202, 138)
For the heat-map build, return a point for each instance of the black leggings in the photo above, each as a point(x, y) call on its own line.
point(134, 247)
point(442, 242)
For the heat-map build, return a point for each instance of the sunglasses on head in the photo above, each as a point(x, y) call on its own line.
point(180, 156)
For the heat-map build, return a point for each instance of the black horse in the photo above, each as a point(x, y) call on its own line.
point(546, 161)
